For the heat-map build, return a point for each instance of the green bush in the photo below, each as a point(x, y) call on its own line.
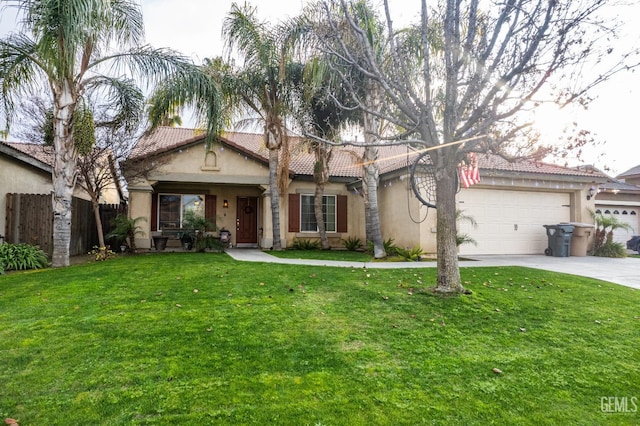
point(125, 229)
point(102, 253)
point(22, 256)
point(389, 247)
point(465, 239)
point(413, 254)
point(305, 244)
point(352, 243)
point(610, 249)
point(213, 243)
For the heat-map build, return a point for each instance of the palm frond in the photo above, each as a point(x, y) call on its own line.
point(191, 87)
point(123, 101)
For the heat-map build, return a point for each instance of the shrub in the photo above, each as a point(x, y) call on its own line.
point(305, 244)
point(413, 254)
point(125, 229)
point(465, 239)
point(610, 249)
point(389, 247)
point(21, 257)
point(102, 253)
point(352, 243)
point(213, 243)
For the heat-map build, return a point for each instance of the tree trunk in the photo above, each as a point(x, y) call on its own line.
point(449, 281)
point(321, 177)
point(370, 186)
point(372, 214)
point(275, 198)
point(64, 176)
point(317, 206)
point(96, 214)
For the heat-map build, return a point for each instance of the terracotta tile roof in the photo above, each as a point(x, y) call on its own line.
point(164, 139)
point(495, 162)
point(345, 161)
point(40, 152)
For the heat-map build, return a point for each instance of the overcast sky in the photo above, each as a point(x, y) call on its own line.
point(193, 27)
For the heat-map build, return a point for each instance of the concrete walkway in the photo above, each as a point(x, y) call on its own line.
point(619, 271)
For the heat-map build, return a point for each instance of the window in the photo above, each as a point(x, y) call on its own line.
point(336, 212)
point(172, 207)
point(308, 217)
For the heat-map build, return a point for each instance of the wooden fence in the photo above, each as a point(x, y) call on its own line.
point(29, 219)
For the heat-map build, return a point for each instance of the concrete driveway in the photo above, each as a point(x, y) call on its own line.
point(619, 271)
point(624, 271)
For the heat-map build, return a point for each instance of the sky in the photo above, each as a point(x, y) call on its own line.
point(193, 27)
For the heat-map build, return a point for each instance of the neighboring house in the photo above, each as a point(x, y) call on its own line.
point(228, 183)
point(620, 197)
point(22, 170)
point(25, 168)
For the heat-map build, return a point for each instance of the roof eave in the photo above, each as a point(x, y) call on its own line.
point(25, 158)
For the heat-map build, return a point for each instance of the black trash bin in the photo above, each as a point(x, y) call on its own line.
point(559, 240)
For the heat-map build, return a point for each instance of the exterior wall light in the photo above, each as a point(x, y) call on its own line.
point(225, 204)
point(592, 191)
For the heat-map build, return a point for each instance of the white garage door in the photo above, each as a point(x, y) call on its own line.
point(628, 215)
point(510, 222)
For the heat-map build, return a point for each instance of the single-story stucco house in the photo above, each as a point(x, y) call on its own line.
point(228, 183)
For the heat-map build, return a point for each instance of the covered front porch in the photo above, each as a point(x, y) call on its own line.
point(238, 210)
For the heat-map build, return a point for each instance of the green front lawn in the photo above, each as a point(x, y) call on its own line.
point(342, 255)
point(199, 339)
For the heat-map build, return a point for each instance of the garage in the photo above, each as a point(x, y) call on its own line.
point(624, 214)
point(510, 222)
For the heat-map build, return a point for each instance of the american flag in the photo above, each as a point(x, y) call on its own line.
point(469, 171)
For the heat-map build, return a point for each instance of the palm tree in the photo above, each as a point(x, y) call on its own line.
point(344, 79)
point(263, 86)
point(69, 47)
point(605, 225)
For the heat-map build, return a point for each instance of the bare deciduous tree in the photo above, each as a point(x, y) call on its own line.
point(471, 71)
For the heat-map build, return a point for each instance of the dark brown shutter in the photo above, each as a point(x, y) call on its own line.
point(154, 211)
point(342, 213)
point(210, 211)
point(294, 212)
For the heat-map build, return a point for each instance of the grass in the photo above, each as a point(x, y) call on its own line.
point(197, 338)
point(344, 255)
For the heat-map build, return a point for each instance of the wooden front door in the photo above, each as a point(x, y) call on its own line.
point(247, 221)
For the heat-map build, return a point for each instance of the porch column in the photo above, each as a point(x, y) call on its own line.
point(140, 206)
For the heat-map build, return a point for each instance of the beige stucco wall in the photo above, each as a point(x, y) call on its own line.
point(218, 165)
point(19, 179)
point(355, 215)
point(403, 218)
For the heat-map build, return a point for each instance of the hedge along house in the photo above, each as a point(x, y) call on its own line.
point(228, 184)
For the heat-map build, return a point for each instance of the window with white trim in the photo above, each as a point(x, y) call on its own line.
point(307, 213)
point(172, 207)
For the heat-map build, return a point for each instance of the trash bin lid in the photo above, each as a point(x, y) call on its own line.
point(567, 227)
point(580, 224)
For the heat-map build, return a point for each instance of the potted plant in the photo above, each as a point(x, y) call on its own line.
point(125, 230)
